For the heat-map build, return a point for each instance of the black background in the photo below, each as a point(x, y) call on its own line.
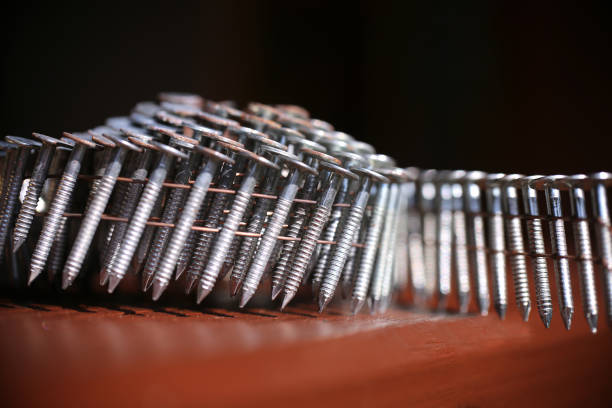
point(497, 86)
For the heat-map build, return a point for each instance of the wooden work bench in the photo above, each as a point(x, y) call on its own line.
point(64, 351)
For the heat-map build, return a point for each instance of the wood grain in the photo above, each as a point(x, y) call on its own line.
point(99, 354)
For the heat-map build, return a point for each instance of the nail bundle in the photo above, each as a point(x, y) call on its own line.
point(202, 190)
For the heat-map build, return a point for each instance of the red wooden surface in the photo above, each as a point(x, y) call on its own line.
point(125, 355)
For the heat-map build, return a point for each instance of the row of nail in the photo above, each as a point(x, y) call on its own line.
point(470, 225)
point(200, 190)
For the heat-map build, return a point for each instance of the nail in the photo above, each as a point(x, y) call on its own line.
point(63, 196)
point(183, 226)
point(230, 226)
point(143, 210)
point(99, 199)
point(350, 229)
point(269, 238)
point(497, 255)
point(535, 242)
point(516, 247)
point(319, 217)
point(37, 180)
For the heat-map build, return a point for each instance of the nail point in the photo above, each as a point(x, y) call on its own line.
point(501, 311)
point(592, 320)
point(147, 280)
point(191, 280)
point(286, 299)
point(202, 293)
point(546, 317)
point(323, 301)
point(567, 313)
point(276, 289)
point(525, 309)
point(246, 296)
point(158, 289)
point(103, 277)
point(235, 285)
point(66, 281)
point(33, 275)
point(113, 282)
point(356, 305)
point(17, 244)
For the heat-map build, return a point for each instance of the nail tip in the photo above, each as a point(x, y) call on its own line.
point(374, 306)
point(592, 320)
point(103, 277)
point(244, 299)
point(234, 286)
point(202, 293)
point(146, 289)
point(66, 282)
point(567, 313)
point(145, 283)
point(31, 278)
point(483, 306)
point(546, 317)
point(276, 290)
point(17, 244)
point(323, 302)
point(158, 290)
point(464, 302)
point(286, 299)
point(501, 311)
point(384, 305)
point(525, 310)
point(179, 271)
point(356, 305)
point(113, 282)
point(190, 284)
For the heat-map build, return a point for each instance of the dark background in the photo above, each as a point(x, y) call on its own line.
point(496, 86)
